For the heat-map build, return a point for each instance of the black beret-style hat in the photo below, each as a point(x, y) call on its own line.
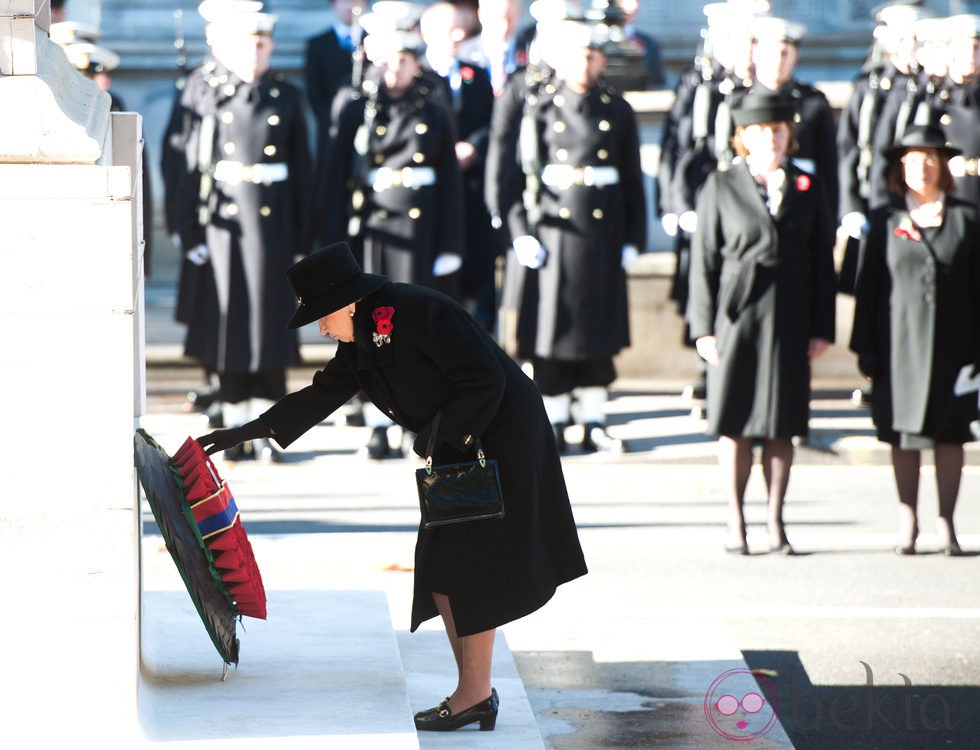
point(921, 137)
point(757, 108)
point(326, 281)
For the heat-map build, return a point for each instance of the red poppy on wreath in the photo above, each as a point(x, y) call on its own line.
point(467, 74)
point(803, 182)
point(383, 325)
point(906, 229)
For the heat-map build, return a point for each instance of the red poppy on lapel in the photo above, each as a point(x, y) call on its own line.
point(383, 325)
point(906, 229)
point(803, 183)
point(467, 74)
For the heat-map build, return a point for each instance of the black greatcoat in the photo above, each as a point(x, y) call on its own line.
point(763, 286)
point(439, 358)
point(579, 310)
point(917, 319)
point(403, 229)
point(254, 231)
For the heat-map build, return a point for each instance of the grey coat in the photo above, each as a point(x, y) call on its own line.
point(917, 319)
point(763, 286)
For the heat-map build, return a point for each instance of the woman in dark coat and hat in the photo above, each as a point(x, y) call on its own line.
point(762, 289)
point(917, 324)
point(415, 353)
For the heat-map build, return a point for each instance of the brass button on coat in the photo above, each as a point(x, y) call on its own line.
point(265, 212)
point(564, 212)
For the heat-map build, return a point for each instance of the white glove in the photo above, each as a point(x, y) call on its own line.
point(529, 251)
point(855, 224)
point(688, 221)
point(957, 166)
point(175, 238)
point(199, 256)
point(669, 223)
point(446, 264)
point(630, 253)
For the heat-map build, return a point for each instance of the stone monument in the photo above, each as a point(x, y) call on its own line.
point(71, 365)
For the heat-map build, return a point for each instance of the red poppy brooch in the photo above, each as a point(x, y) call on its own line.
point(803, 183)
point(906, 229)
point(467, 74)
point(382, 325)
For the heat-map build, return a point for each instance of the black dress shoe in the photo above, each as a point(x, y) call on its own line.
point(377, 445)
point(202, 398)
point(783, 549)
point(265, 451)
point(595, 438)
point(559, 429)
point(240, 452)
point(441, 719)
point(909, 550)
point(952, 550)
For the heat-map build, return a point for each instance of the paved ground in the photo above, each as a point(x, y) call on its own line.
point(857, 647)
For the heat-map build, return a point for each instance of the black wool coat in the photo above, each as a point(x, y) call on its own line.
point(402, 229)
point(917, 318)
point(242, 299)
point(438, 358)
point(575, 306)
point(763, 286)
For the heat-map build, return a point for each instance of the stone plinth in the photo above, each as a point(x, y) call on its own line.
point(71, 365)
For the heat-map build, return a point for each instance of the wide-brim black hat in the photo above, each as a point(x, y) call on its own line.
point(326, 281)
point(758, 108)
point(922, 136)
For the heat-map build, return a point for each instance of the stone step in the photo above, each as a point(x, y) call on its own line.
point(325, 665)
point(430, 672)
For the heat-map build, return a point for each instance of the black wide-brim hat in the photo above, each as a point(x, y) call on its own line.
point(326, 281)
point(920, 137)
point(759, 108)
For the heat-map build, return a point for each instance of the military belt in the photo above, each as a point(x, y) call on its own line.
point(384, 178)
point(563, 176)
point(968, 165)
point(234, 172)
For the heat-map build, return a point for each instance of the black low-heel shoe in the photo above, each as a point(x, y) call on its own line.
point(441, 719)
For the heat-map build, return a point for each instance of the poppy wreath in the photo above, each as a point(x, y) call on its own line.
point(217, 518)
point(383, 325)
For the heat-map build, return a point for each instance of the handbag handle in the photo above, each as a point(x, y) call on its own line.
point(480, 456)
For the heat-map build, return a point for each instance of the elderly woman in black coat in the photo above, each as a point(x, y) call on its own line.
point(415, 353)
point(917, 324)
point(762, 290)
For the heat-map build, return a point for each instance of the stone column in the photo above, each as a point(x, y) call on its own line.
point(71, 367)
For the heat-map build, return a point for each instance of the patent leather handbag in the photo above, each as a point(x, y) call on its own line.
point(458, 493)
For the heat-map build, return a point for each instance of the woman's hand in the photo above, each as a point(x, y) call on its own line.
point(707, 347)
point(222, 440)
point(816, 348)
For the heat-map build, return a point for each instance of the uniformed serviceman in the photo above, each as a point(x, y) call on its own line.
point(959, 103)
point(774, 58)
point(329, 64)
point(443, 26)
point(392, 185)
point(244, 211)
point(882, 102)
point(696, 139)
point(576, 231)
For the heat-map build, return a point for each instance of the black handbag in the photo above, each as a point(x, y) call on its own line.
point(456, 493)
